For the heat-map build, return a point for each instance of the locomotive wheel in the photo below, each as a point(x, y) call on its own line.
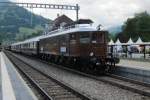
point(67, 62)
point(56, 59)
point(61, 60)
point(108, 68)
point(52, 59)
point(49, 57)
point(46, 57)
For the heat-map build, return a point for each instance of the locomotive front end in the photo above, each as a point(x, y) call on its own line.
point(93, 49)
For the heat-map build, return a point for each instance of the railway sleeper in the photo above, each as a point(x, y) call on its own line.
point(64, 97)
point(59, 93)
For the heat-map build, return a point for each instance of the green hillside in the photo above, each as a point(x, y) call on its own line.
point(15, 24)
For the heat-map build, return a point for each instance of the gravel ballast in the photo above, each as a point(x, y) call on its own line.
point(96, 89)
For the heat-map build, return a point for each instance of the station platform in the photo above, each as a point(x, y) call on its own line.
point(12, 86)
point(141, 65)
point(139, 70)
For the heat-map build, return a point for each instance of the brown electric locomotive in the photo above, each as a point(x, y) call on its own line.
point(76, 48)
point(74, 44)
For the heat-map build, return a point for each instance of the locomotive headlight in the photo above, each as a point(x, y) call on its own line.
point(97, 63)
point(74, 59)
point(91, 54)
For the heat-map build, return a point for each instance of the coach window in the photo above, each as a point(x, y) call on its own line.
point(84, 38)
point(28, 45)
point(34, 45)
point(23, 45)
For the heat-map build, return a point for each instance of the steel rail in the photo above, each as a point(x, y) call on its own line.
point(38, 88)
point(68, 87)
point(101, 78)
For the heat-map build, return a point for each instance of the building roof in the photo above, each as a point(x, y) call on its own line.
point(83, 21)
point(61, 19)
point(80, 21)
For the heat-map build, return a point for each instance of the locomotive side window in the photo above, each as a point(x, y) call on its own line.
point(94, 38)
point(101, 38)
point(73, 38)
point(84, 38)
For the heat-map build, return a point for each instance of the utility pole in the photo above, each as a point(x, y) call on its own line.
point(77, 12)
point(31, 23)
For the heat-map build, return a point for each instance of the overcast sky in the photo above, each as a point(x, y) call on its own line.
point(109, 13)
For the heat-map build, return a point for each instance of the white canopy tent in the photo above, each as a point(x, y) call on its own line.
point(139, 41)
point(143, 47)
point(111, 42)
point(118, 46)
point(137, 44)
point(130, 42)
point(118, 42)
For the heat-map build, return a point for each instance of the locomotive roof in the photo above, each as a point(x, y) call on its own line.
point(62, 32)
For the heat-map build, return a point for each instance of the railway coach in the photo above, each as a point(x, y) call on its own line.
point(28, 47)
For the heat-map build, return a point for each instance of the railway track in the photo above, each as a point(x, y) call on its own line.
point(49, 87)
point(122, 82)
point(119, 81)
point(116, 80)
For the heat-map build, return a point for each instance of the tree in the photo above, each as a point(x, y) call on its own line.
point(137, 26)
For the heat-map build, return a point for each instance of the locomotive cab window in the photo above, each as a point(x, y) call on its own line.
point(97, 38)
point(84, 38)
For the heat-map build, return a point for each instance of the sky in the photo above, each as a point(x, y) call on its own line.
point(108, 13)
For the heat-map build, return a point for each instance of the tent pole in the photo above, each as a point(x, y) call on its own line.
point(144, 52)
point(111, 51)
point(126, 51)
